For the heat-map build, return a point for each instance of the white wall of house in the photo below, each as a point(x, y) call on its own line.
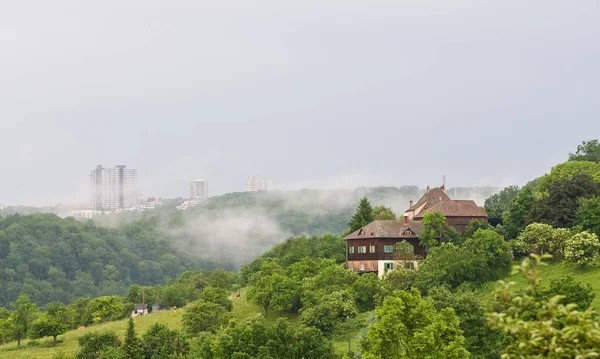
point(384, 266)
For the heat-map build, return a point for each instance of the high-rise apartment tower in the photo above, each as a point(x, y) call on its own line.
point(255, 184)
point(199, 189)
point(113, 188)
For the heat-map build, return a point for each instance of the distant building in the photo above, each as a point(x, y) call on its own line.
point(199, 189)
point(140, 309)
point(113, 188)
point(375, 247)
point(255, 184)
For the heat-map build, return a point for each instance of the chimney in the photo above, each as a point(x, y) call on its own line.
point(410, 204)
point(427, 189)
point(443, 188)
point(405, 218)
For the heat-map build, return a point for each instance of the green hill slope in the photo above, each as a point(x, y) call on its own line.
point(69, 345)
point(590, 275)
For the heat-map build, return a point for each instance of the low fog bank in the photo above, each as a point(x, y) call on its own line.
point(232, 236)
point(237, 227)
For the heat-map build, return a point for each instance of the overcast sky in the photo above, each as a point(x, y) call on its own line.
point(315, 94)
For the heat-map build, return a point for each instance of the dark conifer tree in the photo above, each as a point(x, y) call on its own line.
point(362, 217)
point(132, 346)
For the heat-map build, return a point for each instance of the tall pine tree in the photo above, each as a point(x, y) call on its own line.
point(362, 217)
point(132, 346)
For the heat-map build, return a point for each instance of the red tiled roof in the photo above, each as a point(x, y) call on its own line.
point(430, 198)
point(385, 229)
point(456, 208)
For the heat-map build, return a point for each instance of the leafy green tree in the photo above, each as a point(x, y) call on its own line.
point(132, 346)
point(481, 341)
point(398, 279)
point(384, 213)
point(113, 353)
point(582, 248)
point(160, 342)
point(329, 311)
point(202, 316)
point(305, 268)
point(404, 251)
point(221, 279)
point(498, 203)
point(23, 314)
point(103, 309)
point(588, 215)
point(331, 278)
point(177, 294)
point(5, 330)
point(587, 151)
point(571, 291)
point(519, 210)
point(566, 171)
point(484, 257)
point(366, 288)
point(218, 296)
point(554, 331)
point(57, 319)
point(542, 238)
point(276, 291)
point(362, 217)
point(436, 230)
point(93, 345)
point(134, 295)
point(332, 247)
point(472, 227)
point(253, 338)
point(409, 326)
point(559, 207)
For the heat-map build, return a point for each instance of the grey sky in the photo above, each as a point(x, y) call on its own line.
point(308, 93)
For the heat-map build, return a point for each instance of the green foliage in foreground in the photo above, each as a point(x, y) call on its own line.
point(410, 327)
point(555, 330)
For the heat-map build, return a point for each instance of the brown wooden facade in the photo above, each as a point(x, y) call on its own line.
point(379, 244)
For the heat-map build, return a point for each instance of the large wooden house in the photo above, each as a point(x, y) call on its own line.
point(372, 248)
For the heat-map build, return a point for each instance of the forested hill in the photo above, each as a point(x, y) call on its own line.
point(49, 258)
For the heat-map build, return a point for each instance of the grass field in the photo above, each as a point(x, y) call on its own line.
point(589, 275)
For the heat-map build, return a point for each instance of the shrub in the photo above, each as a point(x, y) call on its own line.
point(582, 248)
point(542, 238)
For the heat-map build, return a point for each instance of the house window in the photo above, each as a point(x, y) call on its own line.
point(388, 266)
point(409, 265)
point(372, 249)
point(372, 266)
point(351, 249)
point(362, 266)
point(362, 249)
point(388, 249)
